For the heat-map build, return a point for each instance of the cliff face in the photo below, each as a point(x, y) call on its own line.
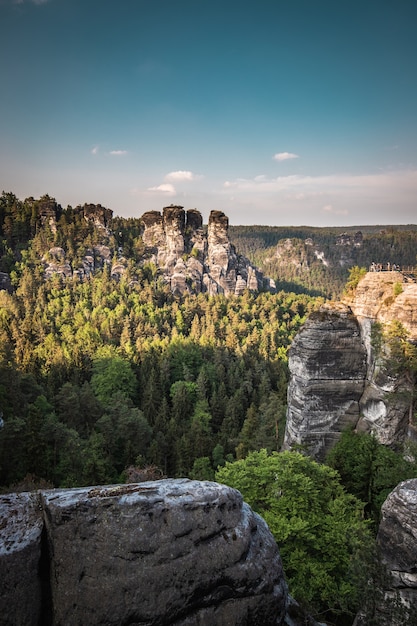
point(397, 537)
point(327, 363)
point(336, 379)
point(187, 258)
point(192, 261)
point(395, 598)
point(166, 552)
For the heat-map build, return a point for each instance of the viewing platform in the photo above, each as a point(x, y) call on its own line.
point(408, 272)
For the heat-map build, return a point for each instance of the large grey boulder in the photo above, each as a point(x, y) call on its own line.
point(20, 551)
point(391, 600)
point(165, 552)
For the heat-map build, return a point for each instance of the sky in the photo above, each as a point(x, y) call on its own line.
point(277, 112)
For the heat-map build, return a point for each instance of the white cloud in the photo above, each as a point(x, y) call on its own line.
point(165, 188)
point(328, 209)
point(118, 152)
point(285, 156)
point(181, 175)
point(95, 150)
point(363, 185)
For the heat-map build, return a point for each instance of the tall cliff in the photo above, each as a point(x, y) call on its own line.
point(191, 260)
point(336, 376)
point(186, 256)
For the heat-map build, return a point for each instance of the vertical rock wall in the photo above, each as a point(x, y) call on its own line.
point(192, 261)
point(335, 377)
point(327, 362)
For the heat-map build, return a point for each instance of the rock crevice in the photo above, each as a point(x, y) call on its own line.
point(168, 552)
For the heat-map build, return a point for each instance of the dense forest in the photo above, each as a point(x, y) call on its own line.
point(98, 375)
point(317, 260)
point(102, 379)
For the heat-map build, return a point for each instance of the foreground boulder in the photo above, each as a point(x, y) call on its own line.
point(20, 552)
point(391, 598)
point(164, 552)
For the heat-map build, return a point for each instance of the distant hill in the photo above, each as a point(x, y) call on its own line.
point(317, 260)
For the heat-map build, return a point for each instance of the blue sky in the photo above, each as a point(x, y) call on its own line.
point(275, 112)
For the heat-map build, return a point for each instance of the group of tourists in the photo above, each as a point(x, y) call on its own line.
point(387, 267)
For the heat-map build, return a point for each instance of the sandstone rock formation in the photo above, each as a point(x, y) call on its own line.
point(97, 214)
point(20, 551)
point(397, 538)
point(327, 362)
point(5, 282)
point(186, 257)
point(335, 377)
point(192, 261)
point(167, 552)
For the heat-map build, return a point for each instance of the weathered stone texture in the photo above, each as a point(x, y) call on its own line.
point(97, 214)
point(20, 549)
point(327, 362)
point(397, 538)
point(193, 262)
point(335, 377)
point(5, 282)
point(375, 299)
point(165, 552)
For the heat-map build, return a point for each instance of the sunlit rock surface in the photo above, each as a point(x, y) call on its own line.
point(164, 552)
point(375, 299)
point(192, 261)
point(184, 255)
point(336, 380)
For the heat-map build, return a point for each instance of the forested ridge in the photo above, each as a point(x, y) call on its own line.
point(103, 378)
point(99, 374)
point(317, 261)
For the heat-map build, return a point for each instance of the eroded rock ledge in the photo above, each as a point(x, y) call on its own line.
point(166, 552)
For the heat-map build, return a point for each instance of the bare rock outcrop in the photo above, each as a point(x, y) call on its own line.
point(98, 215)
point(336, 379)
point(186, 257)
point(20, 552)
point(166, 552)
point(327, 362)
point(5, 282)
point(386, 296)
point(397, 538)
point(191, 260)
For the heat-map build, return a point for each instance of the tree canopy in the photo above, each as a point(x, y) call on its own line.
point(318, 526)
